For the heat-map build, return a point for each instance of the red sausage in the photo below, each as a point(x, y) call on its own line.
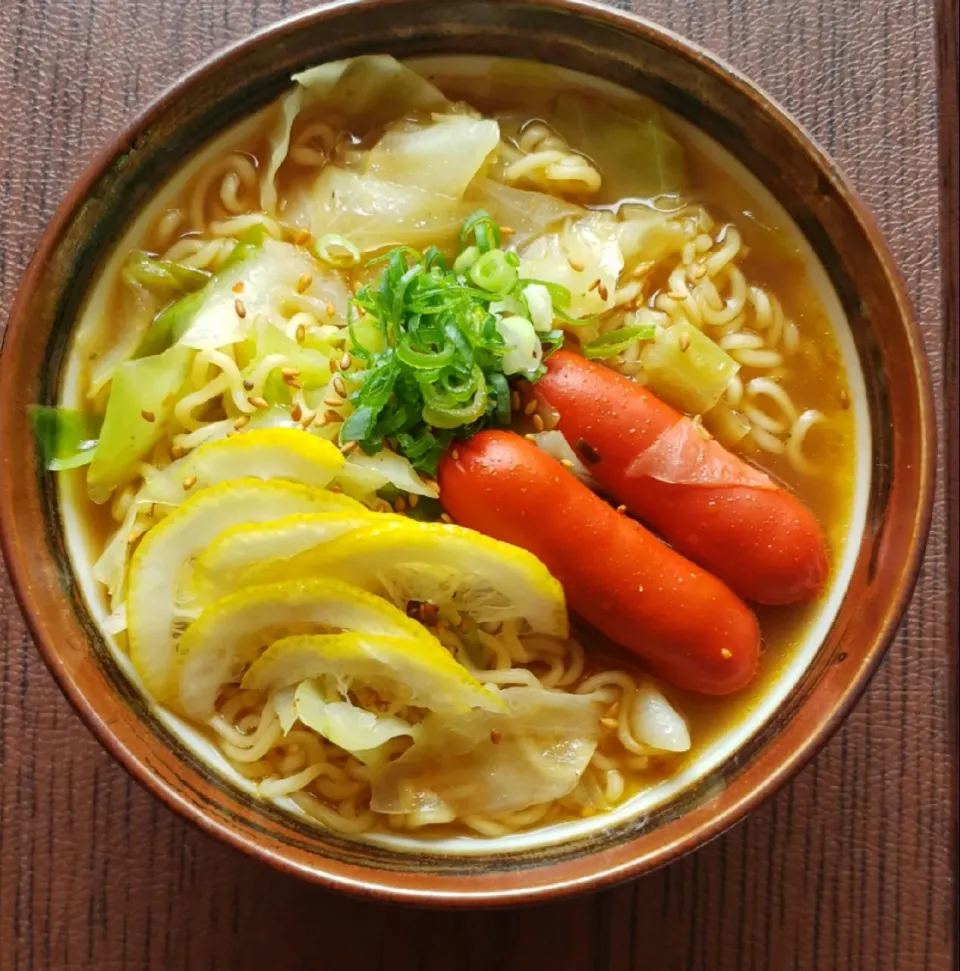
point(691, 628)
point(759, 539)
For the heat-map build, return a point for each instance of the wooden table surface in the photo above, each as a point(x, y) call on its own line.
point(850, 867)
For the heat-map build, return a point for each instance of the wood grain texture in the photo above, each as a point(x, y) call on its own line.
point(848, 868)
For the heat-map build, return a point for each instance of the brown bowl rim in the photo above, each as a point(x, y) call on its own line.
point(529, 885)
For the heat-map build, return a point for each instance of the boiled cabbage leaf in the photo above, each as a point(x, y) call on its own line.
point(66, 439)
point(528, 214)
point(655, 722)
point(647, 235)
point(363, 475)
point(269, 273)
point(634, 152)
point(688, 369)
point(443, 157)
point(584, 257)
point(374, 214)
point(493, 762)
point(143, 394)
point(352, 728)
point(362, 92)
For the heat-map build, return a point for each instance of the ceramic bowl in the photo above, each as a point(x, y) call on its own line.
point(883, 342)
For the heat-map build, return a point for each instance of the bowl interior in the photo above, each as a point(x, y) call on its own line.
point(857, 283)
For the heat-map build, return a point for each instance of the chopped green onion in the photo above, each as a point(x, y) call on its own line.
point(436, 360)
point(337, 251)
point(493, 273)
point(484, 229)
point(616, 341)
point(466, 259)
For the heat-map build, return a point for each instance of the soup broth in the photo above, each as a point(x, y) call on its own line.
point(788, 411)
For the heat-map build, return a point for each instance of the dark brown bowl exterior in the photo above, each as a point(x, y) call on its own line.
point(584, 37)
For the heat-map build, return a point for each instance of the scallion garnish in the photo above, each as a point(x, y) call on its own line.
point(441, 373)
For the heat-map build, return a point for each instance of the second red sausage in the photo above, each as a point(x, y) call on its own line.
point(763, 542)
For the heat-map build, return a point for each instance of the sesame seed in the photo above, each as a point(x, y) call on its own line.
point(148, 415)
point(455, 455)
point(309, 417)
point(515, 400)
point(684, 341)
point(531, 407)
point(593, 286)
point(530, 437)
point(399, 505)
point(290, 372)
point(726, 653)
point(575, 265)
point(608, 722)
point(640, 588)
point(340, 386)
point(414, 499)
point(177, 452)
point(383, 506)
point(333, 402)
point(248, 385)
point(241, 421)
point(844, 400)
point(345, 362)
point(259, 402)
point(495, 736)
point(330, 415)
point(445, 518)
point(335, 488)
point(621, 509)
point(603, 292)
point(239, 307)
point(189, 482)
point(333, 365)
point(238, 287)
point(296, 412)
point(301, 333)
point(538, 423)
point(348, 447)
point(304, 283)
point(566, 463)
